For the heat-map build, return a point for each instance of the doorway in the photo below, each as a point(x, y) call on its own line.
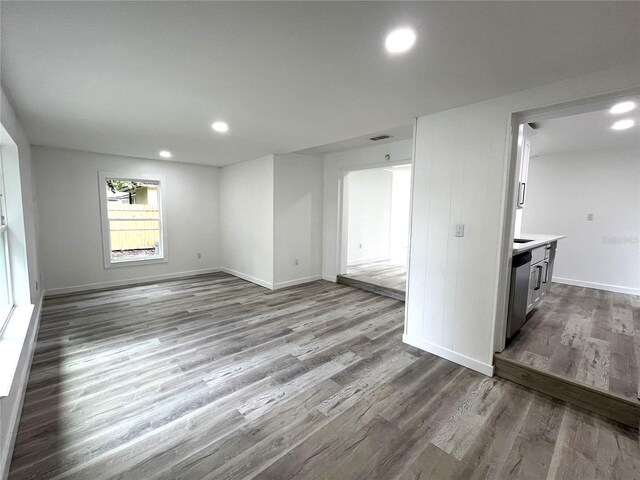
point(376, 213)
point(573, 324)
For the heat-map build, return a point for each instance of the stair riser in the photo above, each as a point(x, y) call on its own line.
point(582, 396)
point(370, 287)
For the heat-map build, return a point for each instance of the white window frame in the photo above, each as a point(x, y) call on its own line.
point(163, 257)
point(5, 312)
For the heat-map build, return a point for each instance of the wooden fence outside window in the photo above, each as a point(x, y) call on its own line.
point(133, 227)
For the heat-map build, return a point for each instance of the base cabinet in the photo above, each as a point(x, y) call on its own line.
point(540, 274)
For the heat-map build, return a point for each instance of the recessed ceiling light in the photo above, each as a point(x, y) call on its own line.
point(220, 127)
point(622, 107)
point(400, 40)
point(623, 124)
point(165, 154)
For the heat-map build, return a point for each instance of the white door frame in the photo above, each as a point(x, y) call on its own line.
point(584, 105)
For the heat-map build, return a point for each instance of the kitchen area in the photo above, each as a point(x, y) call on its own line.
point(573, 323)
point(532, 271)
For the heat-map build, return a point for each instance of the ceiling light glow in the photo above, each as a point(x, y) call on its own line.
point(165, 154)
point(622, 107)
point(400, 40)
point(623, 124)
point(220, 127)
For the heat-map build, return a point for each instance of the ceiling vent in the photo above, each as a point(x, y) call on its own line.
point(380, 137)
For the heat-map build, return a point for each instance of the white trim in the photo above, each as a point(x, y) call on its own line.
point(12, 342)
point(597, 286)
point(135, 262)
point(447, 354)
point(507, 226)
point(330, 278)
point(27, 319)
point(16, 236)
point(410, 230)
point(249, 278)
point(576, 107)
point(129, 281)
point(163, 257)
point(296, 281)
point(383, 258)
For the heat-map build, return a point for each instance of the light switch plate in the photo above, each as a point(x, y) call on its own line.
point(460, 230)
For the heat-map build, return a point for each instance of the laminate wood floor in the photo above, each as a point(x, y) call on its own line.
point(214, 377)
point(383, 273)
point(587, 335)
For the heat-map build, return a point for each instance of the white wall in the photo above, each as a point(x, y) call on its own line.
point(400, 214)
point(336, 165)
point(368, 211)
point(246, 219)
point(297, 219)
point(563, 189)
point(70, 222)
point(457, 286)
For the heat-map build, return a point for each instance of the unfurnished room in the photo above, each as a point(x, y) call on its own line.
point(319, 240)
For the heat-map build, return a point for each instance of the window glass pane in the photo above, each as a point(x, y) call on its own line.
point(134, 220)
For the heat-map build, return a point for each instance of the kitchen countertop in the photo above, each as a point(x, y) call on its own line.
point(538, 240)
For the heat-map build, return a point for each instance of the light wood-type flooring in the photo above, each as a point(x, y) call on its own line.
point(587, 335)
point(214, 377)
point(384, 274)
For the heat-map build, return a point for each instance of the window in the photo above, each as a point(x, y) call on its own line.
point(6, 300)
point(132, 220)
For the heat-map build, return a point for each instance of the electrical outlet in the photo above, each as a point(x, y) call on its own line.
point(460, 230)
point(589, 217)
point(296, 261)
point(360, 246)
point(199, 255)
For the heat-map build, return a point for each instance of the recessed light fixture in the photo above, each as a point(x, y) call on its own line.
point(623, 124)
point(165, 154)
point(400, 40)
point(220, 127)
point(622, 107)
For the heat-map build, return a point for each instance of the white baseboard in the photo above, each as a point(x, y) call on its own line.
point(249, 278)
point(445, 353)
point(297, 281)
point(130, 281)
point(598, 286)
point(330, 278)
point(362, 261)
point(14, 400)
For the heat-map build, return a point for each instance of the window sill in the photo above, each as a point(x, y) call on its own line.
point(12, 342)
point(134, 263)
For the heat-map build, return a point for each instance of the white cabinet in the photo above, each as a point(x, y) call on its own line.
point(525, 132)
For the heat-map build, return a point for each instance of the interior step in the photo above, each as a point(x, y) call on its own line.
point(608, 405)
point(372, 287)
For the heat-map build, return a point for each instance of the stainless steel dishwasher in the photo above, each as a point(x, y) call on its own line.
point(518, 291)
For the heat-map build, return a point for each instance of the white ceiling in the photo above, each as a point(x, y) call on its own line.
point(133, 78)
point(586, 131)
point(398, 133)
